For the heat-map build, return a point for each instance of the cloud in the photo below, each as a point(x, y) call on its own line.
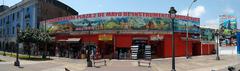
point(196, 12)
point(229, 11)
point(213, 23)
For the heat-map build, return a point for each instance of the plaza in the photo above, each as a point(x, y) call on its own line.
point(198, 63)
point(57, 35)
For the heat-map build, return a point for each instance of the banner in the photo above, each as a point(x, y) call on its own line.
point(207, 35)
point(228, 29)
point(105, 37)
point(121, 21)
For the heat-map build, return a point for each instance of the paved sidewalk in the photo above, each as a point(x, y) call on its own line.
point(197, 63)
point(121, 65)
point(57, 64)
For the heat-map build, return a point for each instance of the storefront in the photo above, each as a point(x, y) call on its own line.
point(114, 34)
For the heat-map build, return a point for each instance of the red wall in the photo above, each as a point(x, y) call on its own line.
point(180, 46)
point(61, 37)
point(207, 49)
point(196, 48)
point(123, 41)
point(90, 38)
point(164, 48)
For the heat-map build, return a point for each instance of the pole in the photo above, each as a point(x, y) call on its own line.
point(4, 51)
point(186, 26)
point(17, 62)
point(89, 62)
point(173, 48)
point(217, 58)
point(3, 2)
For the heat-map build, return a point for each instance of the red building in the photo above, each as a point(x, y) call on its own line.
point(113, 34)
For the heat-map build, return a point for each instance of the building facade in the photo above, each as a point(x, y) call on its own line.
point(114, 34)
point(28, 13)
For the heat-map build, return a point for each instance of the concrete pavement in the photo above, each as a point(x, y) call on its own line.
point(121, 65)
point(197, 63)
point(57, 64)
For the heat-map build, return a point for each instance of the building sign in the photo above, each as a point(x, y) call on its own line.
point(228, 27)
point(105, 37)
point(121, 21)
point(207, 35)
point(156, 37)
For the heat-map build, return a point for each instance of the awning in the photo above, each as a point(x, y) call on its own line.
point(61, 40)
point(73, 39)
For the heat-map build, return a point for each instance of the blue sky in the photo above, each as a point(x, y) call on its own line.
point(207, 10)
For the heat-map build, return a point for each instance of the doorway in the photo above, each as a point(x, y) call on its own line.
point(123, 53)
point(195, 49)
point(141, 43)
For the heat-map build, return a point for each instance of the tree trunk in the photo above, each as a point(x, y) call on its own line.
point(44, 51)
point(29, 50)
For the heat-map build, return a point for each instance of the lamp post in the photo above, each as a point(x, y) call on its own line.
point(217, 33)
point(17, 62)
point(89, 48)
point(4, 50)
point(186, 26)
point(172, 12)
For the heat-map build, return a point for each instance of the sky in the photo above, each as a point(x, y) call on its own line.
point(207, 10)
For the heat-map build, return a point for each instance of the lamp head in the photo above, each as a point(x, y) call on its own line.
point(172, 12)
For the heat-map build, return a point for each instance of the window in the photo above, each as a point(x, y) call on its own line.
point(18, 15)
point(8, 20)
point(8, 30)
point(1, 33)
point(27, 9)
point(8, 17)
point(4, 21)
point(13, 30)
point(0, 22)
point(13, 17)
point(4, 32)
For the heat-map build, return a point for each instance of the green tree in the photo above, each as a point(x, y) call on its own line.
point(44, 38)
point(27, 37)
point(34, 36)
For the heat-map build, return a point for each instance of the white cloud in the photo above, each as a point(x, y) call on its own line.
point(196, 12)
point(213, 23)
point(229, 11)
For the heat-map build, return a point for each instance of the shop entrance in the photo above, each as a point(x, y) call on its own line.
point(123, 53)
point(195, 48)
point(141, 43)
point(106, 49)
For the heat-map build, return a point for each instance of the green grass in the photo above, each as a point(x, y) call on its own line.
point(25, 57)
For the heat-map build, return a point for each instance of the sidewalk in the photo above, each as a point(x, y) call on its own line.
point(57, 64)
point(197, 63)
point(121, 65)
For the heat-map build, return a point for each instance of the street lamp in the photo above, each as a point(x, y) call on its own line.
point(4, 50)
point(186, 26)
point(89, 48)
point(217, 33)
point(172, 12)
point(17, 62)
